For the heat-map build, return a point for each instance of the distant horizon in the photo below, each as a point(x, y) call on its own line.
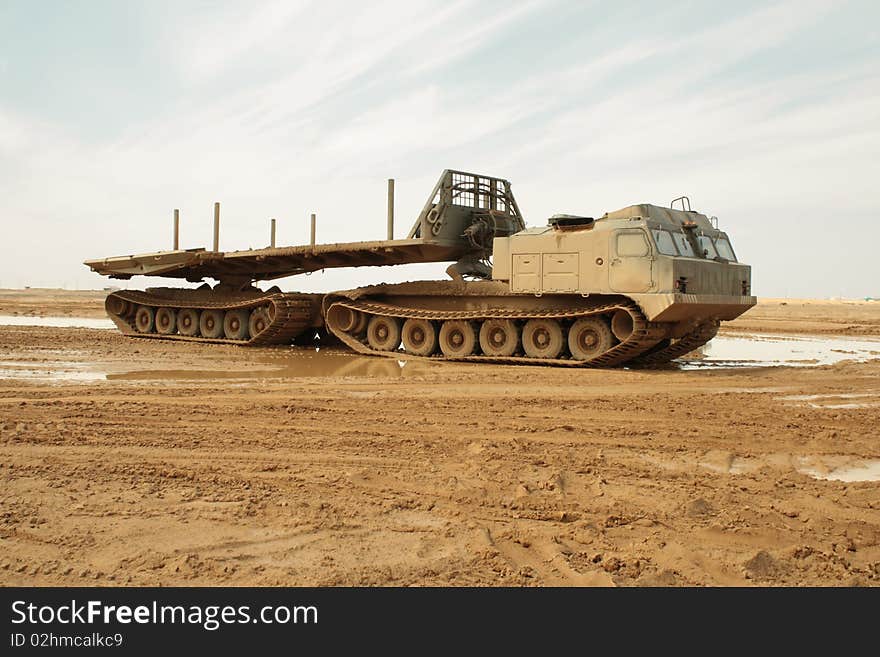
point(109, 288)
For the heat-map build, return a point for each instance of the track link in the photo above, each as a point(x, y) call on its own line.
point(677, 348)
point(644, 335)
point(291, 315)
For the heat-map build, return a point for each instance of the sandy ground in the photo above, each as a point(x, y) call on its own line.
point(811, 316)
point(37, 302)
point(196, 464)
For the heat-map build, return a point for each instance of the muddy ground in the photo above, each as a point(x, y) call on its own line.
point(150, 463)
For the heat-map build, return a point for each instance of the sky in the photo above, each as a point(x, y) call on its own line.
point(112, 114)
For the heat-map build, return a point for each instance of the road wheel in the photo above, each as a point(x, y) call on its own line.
point(188, 322)
point(211, 323)
point(166, 321)
point(458, 337)
point(383, 333)
point(589, 337)
point(499, 337)
point(419, 337)
point(235, 324)
point(259, 321)
point(145, 319)
point(542, 338)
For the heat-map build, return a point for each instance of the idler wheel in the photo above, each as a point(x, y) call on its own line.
point(188, 322)
point(117, 306)
point(499, 337)
point(383, 333)
point(145, 319)
point(590, 337)
point(259, 320)
point(458, 337)
point(211, 323)
point(621, 325)
point(166, 321)
point(542, 338)
point(235, 324)
point(419, 337)
point(361, 324)
point(348, 320)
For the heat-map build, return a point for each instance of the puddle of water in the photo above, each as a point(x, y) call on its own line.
point(295, 363)
point(735, 465)
point(834, 401)
point(57, 322)
point(844, 395)
point(763, 350)
point(44, 375)
point(826, 468)
point(850, 472)
point(291, 363)
point(845, 406)
point(55, 371)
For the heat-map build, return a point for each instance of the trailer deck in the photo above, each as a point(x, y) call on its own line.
point(270, 263)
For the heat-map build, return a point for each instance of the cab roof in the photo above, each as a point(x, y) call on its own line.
point(660, 215)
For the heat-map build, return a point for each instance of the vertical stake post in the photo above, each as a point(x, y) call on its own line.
point(216, 228)
point(176, 229)
point(391, 208)
point(312, 241)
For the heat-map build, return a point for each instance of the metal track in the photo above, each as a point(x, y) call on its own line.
point(644, 335)
point(693, 340)
point(291, 315)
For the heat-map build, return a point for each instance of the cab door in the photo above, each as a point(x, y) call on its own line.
point(632, 261)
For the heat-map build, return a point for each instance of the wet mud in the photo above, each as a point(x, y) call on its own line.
point(155, 463)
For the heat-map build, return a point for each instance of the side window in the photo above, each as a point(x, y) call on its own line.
point(684, 246)
point(724, 249)
point(707, 246)
point(632, 244)
point(665, 243)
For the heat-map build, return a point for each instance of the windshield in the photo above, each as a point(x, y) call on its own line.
point(665, 243)
point(724, 249)
point(707, 246)
point(684, 246)
point(673, 243)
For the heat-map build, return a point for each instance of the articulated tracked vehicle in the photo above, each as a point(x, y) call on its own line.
point(638, 286)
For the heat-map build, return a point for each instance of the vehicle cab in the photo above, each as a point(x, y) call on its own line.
point(663, 258)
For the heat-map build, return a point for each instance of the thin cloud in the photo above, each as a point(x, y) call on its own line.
point(281, 109)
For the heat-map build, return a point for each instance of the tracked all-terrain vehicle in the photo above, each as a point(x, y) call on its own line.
point(642, 285)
